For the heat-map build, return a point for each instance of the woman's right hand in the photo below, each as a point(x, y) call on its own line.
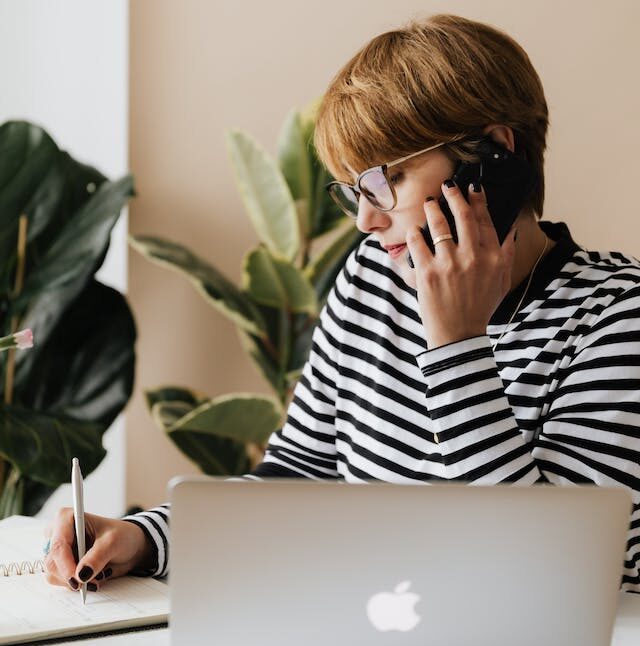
point(116, 547)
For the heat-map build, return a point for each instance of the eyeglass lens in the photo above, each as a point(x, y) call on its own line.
point(374, 187)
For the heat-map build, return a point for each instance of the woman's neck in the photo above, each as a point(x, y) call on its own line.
point(529, 248)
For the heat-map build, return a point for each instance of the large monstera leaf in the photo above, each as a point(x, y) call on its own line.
point(73, 383)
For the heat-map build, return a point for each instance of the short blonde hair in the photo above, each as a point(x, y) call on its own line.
point(432, 81)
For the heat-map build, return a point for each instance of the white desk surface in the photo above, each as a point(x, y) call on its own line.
point(626, 631)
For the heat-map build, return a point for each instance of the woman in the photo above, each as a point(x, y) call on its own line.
point(513, 360)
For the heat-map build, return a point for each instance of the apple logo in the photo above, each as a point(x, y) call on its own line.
point(394, 610)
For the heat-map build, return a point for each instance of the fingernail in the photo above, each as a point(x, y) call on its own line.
point(428, 199)
point(73, 583)
point(100, 576)
point(476, 187)
point(86, 573)
point(92, 587)
point(108, 572)
point(449, 183)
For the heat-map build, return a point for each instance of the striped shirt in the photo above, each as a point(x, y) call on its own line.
point(556, 401)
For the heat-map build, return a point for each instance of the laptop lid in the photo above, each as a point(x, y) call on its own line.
point(298, 562)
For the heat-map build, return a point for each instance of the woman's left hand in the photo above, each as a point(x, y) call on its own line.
point(460, 285)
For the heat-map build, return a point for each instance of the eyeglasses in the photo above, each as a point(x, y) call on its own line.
point(375, 184)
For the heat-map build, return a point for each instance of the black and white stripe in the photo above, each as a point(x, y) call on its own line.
point(557, 401)
point(155, 525)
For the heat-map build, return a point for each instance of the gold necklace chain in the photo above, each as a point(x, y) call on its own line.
point(526, 289)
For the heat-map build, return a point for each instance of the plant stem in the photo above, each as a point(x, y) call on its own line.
point(271, 348)
point(11, 359)
point(8, 383)
point(255, 451)
point(306, 253)
point(12, 497)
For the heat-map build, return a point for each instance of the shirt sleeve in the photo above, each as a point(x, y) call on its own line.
point(475, 428)
point(155, 525)
point(589, 430)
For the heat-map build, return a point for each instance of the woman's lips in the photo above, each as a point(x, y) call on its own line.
point(396, 250)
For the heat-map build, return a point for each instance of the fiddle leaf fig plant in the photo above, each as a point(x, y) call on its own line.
point(284, 283)
point(59, 397)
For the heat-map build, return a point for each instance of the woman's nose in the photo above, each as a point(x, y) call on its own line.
point(369, 218)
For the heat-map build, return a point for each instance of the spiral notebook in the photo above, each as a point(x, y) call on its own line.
point(33, 610)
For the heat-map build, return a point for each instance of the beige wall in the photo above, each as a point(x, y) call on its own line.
point(198, 68)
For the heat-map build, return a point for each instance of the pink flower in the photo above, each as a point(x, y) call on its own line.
point(23, 339)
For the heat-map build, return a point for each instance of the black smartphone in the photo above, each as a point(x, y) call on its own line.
point(507, 180)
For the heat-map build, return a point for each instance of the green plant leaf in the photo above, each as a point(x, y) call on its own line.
point(217, 290)
point(325, 267)
point(173, 394)
point(77, 378)
point(12, 496)
point(81, 242)
point(214, 434)
point(265, 194)
point(68, 185)
point(323, 212)
point(168, 413)
point(243, 417)
point(277, 283)
point(261, 279)
point(56, 279)
point(308, 118)
point(22, 496)
point(43, 445)
point(294, 158)
point(35, 495)
point(215, 456)
point(85, 368)
point(303, 327)
point(326, 213)
point(27, 155)
point(265, 362)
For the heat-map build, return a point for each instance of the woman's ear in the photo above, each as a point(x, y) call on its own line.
point(502, 135)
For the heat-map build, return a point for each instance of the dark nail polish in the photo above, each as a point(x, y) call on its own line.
point(92, 587)
point(428, 199)
point(100, 576)
point(108, 572)
point(73, 583)
point(515, 235)
point(86, 573)
point(476, 187)
point(449, 183)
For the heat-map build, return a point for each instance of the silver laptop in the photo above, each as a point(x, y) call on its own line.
point(294, 563)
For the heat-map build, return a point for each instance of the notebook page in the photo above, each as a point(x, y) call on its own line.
point(31, 608)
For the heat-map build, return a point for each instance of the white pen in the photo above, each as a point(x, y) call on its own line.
point(78, 516)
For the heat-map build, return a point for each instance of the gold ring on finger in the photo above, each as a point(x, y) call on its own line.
point(442, 238)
